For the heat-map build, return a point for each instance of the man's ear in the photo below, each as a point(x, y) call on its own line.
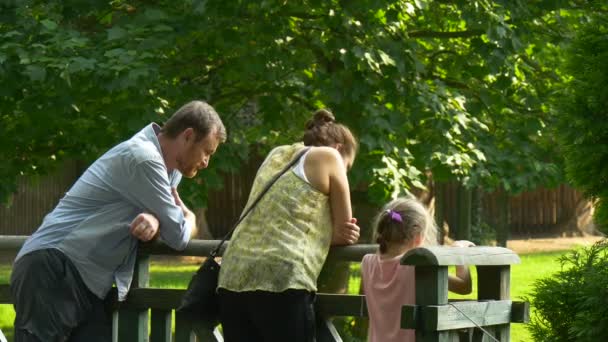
point(187, 134)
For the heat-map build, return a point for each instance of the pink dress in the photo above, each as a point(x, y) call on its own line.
point(387, 286)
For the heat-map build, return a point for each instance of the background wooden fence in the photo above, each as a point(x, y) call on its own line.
point(539, 212)
point(544, 211)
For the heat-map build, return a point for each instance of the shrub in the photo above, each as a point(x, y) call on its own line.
point(583, 124)
point(572, 305)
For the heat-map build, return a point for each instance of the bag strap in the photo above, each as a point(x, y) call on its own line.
point(255, 202)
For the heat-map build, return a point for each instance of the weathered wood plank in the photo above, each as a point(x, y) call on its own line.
point(204, 247)
point(161, 325)
point(431, 289)
point(340, 305)
point(183, 329)
point(431, 285)
point(167, 299)
point(130, 327)
point(520, 312)
point(5, 294)
point(132, 322)
point(12, 243)
point(494, 283)
point(456, 315)
point(447, 256)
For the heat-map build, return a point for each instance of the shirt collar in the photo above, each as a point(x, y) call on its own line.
point(150, 133)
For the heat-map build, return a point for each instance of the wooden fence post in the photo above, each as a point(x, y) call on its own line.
point(161, 325)
point(133, 323)
point(431, 289)
point(494, 283)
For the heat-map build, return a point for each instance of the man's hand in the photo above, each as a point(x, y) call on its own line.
point(144, 227)
point(347, 233)
point(188, 214)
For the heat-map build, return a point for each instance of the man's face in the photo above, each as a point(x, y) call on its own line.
point(195, 155)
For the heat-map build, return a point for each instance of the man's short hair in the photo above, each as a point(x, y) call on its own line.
point(199, 116)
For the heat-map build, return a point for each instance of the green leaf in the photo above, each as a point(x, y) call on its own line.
point(116, 33)
point(386, 59)
point(36, 73)
point(155, 14)
point(49, 24)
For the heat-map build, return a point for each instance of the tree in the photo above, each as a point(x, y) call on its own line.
point(583, 125)
point(448, 88)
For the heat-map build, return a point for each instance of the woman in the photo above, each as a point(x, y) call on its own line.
point(269, 272)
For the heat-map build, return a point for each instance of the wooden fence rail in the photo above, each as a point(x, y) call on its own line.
point(144, 304)
point(437, 319)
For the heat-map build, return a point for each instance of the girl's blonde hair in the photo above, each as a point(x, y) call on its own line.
point(401, 220)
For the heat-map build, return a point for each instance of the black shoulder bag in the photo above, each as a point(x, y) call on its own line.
point(200, 302)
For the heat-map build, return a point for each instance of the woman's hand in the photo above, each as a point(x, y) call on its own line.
point(347, 233)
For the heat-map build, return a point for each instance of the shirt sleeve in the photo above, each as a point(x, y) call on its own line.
point(150, 189)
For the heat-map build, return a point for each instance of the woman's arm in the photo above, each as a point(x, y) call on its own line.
point(326, 172)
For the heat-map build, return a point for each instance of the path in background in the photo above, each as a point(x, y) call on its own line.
point(550, 244)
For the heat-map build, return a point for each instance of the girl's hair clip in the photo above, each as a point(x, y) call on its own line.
point(395, 216)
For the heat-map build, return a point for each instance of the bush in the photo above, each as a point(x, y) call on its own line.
point(583, 124)
point(572, 305)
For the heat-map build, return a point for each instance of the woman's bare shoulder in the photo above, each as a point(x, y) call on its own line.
point(324, 153)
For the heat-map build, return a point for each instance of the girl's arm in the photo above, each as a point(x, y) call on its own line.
point(461, 283)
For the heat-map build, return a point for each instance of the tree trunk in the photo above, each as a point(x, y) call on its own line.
point(463, 231)
point(440, 211)
point(502, 224)
point(477, 233)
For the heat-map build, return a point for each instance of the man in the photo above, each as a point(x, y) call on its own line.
point(89, 241)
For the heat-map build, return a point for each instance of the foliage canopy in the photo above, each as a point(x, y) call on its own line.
point(457, 89)
point(583, 125)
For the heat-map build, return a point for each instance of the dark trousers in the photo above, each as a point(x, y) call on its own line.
point(267, 316)
point(53, 304)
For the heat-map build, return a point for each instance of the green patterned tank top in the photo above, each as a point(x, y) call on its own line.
point(283, 242)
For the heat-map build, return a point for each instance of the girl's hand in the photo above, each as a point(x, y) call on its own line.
point(463, 243)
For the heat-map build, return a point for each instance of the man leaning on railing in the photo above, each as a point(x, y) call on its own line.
point(62, 274)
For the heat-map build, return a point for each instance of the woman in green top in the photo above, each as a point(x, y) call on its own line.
point(269, 272)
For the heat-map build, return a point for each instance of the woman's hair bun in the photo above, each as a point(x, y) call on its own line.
point(320, 118)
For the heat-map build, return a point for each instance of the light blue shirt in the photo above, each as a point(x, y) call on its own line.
point(90, 225)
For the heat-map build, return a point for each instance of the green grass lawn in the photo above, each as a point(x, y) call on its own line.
point(167, 275)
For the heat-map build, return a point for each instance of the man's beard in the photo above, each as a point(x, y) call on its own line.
point(187, 171)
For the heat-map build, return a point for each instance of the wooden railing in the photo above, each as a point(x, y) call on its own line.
point(486, 319)
point(154, 306)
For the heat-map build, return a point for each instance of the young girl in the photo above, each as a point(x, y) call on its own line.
point(403, 224)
